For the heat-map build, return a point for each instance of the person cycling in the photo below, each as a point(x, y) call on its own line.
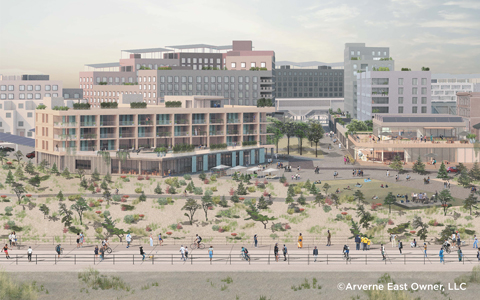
point(446, 245)
point(346, 251)
point(245, 254)
point(105, 243)
point(198, 239)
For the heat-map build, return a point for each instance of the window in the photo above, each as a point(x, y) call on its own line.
point(218, 60)
point(400, 100)
point(47, 87)
point(3, 87)
point(424, 100)
point(400, 90)
point(29, 87)
point(373, 52)
point(22, 87)
point(414, 81)
point(22, 96)
point(424, 109)
point(20, 123)
point(8, 115)
point(55, 87)
point(414, 100)
point(29, 134)
point(424, 81)
point(253, 65)
point(10, 96)
point(29, 96)
point(83, 164)
point(234, 65)
point(3, 96)
point(352, 52)
point(38, 96)
point(38, 88)
point(400, 81)
point(243, 65)
point(358, 52)
point(355, 67)
point(414, 91)
point(263, 65)
point(20, 105)
point(29, 115)
point(400, 109)
point(414, 110)
point(11, 88)
point(424, 90)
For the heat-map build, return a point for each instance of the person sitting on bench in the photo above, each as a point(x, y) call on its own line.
point(337, 191)
point(374, 197)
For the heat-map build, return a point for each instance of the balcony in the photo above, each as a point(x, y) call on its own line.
point(145, 134)
point(263, 131)
point(145, 123)
point(181, 133)
point(182, 121)
point(108, 123)
point(88, 124)
point(65, 137)
point(216, 121)
point(233, 132)
point(164, 134)
point(249, 132)
point(263, 120)
point(199, 121)
point(88, 136)
point(199, 133)
point(233, 121)
point(216, 133)
point(269, 81)
point(68, 124)
point(108, 135)
point(164, 122)
point(267, 89)
point(126, 123)
point(249, 120)
point(126, 135)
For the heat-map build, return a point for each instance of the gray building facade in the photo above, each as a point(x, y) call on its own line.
point(359, 58)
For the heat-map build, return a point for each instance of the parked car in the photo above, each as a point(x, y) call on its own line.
point(7, 149)
point(31, 155)
point(452, 170)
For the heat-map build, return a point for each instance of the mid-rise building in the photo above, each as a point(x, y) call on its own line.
point(17, 117)
point(237, 73)
point(468, 107)
point(29, 87)
point(394, 92)
point(359, 58)
point(231, 135)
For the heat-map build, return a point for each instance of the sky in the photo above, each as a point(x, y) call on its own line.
point(58, 37)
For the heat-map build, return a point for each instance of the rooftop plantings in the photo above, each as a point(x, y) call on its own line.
point(41, 106)
point(138, 104)
point(425, 69)
point(164, 68)
point(249, 143)
point(183, 148)
point(386, 58)
point(109, 105)
point(130, 83)
point(354, 58)
point(81, 105)
point(218, 146)
point(381, 69)
point(144, 68)
point(258, 69)
point(406, 69)
point(102, 83)
point(173, 103)
point(60, 108)
point(262, 102)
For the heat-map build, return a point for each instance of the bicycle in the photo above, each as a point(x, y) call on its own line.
point(346, 256)
point(196, 246)
point(61, 250)
point(446, 249)
point(244, 257)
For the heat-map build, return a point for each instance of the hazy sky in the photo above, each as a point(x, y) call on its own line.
point(59, 37)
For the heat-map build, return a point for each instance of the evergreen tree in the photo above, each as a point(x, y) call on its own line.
point(104, 185)
point(283, 179)
point(365, 216)
point(142, 197)
point(242, 177)
point(29, 168)
point(397, 164)
point(313, 189)
point(474, 172)
point(111, 229)
point(172, 190)
point(66, 173)
point(460, 167)
point(60, 196)
point(80, 207)
point(107, 196)
point(302, 200)
point(319, 199)
point(358, 195)
point(54, 169)
point(470, 203)
point(235, 176)
point(91, 188)
point(256, 216)
point(9, 179)
point(326, 187)
point(202, 176)
point(108, 177)
point(246, 179)
point(223, 202)
point(422, 233)
point(464, 179)
point(235, 198)
point(67, 218)
point(19, 173)
point(95, 175)
point(45, 210)
point(35, 180)
point(307, 185)
point(442, 172)
point(262, 203)
point(289, 199)
point(84, 183)
point(445, 197)
point(291, 191)
point(389, 200)
point(241, 190)
point(419, 167)
point(355, 229)
point(158, 189)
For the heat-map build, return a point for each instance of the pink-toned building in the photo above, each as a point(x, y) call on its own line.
point(468, 107)
point(29, 87)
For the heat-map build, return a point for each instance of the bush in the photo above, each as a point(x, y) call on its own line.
point(290, 211)
point(187, 177)
point(116, 198)
point(162, 201)
point(126, 207)
point(129, 219)
point(138, 190)
point(173, 181)
point(251, 189)
point(297, 189)
point(213, 178)
point(327, 208)
point(173, 103)
point(137, 104)
point(278, 227)
point(81, 105)
point(109, 105)
point(249, 202)
point(198, 191)
point(182, 182)
point(202, 176)
point(215, 227)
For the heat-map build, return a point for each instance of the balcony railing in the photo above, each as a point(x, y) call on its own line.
point(199, 133)
point(145, 134)
point(145, 123)
point(88, 136)
point(126, 135)
point(88, 124)
point(182, 121)
point(68, 124)
point(199, 121)
point(248, 120)
point(125, 123)
point(216, 121)
point(233, 132)
point(162, 134)
point(181, 133)
point(263, 120)
point(65, 137)
point(107, 135)
point(164, 122)
point(233, 121)
point(214, 133)
point(263, 132)
point(108, 123)
point(249, 132)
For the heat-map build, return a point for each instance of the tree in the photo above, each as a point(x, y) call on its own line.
point(19, 173)
point(207, 202)
point(397, 164)
point(291, 191)
point(29, 168)
point(142, 197)
point(301, 131)
point(202, 176)
point(355, 126)
point(108, 177)
point(262, 203)
point(365, 216)
point(45, 210)
point(289, 199)
point(67, 215)
point(241, 190)
point(223, 202)
point(326, 187)
point(158, 189)
point(358, 195)
point(104, 185)
point(464, 179)
point(81, 174)
point(95, 175)
point(276, 129)
point(191, 206)
point(19, 156)
point(470, 202)
point(417, 223)
point(108, 196)
point(256, 216)
point(289, 131)
point(442, 172)
point(235, 198)
point(80, 206)
point(43, 165)
point(83, 183)
point(302, 200)
point(419, 167)
point(54, 169)
point(35, 180)
point(335, 199)
point(19, 190)
point(319, 199)
point(313, 189)
point(389, 200)
point(474, 172)
point(3, 155)
point(355, 229)
point(445, 197)
point(60, 196)
point(9, 179)
point(91, 188)
point(66, 173)
point(460, 167)
point(315, 134)
point(111, 229)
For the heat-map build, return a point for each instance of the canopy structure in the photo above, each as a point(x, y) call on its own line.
point(221, 167)
point(430, 154)
point(236, 169)
point(254, 169)
point(268, 172)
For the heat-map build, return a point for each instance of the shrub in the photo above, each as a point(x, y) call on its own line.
point(182, 182)
point(198, 191)
point(213, 178)
point(249, 202)
point(277, 227)
point(215, 227)
point(297, 189)
point(187, 177)
point(138, 104)
point(162, 201)
point(290, 211)
point(327, 208)
point(179, 226)
point(140, 178)
point(129, 219)
point(138, 190)
point(202, 176)
point(206, 181)
point(126, 207)
point(231, 192)
point(251, 189)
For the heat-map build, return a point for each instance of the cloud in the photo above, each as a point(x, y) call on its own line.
point(465, 4)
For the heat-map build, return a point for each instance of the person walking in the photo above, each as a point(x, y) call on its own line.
point(388, 173)
point(478, 254)
point(368, 243)
point(275, 252)
point(186, 253)
point(10, 238)
point(255, 239)
point(315, 253)
point(357, 242)
point(182, 251)
point(29, 254)
point(285, 252)
point(458, 239)
point(335, 174)
point(5, 249)
point(475, 241)
point(396, 177)
point(210, 253)
point(425, 249)
point(142, 253)
point(78, 240)
point(392, 238)
point(400, 246)
point(460, 254)
point(82, 239)
point(96, 251)
point(329, 238)
point(151, 240)
point(364, 243)
point(160, 240)
point(14, 238)
point(440, 254)
point(102, 254)
point(382, 250)
point(58, 249)
point(300, 241)
point(129, 239)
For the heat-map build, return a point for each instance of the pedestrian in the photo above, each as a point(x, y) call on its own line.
point(300, 241)
point(182, 251)
point(142, 253)
point(460, 255)
point(78, 240)
point(364, 243)
point(275, 252)
point(425, 249)
point(102, 253)
point(478, 254)
point(344, 160)
point(339, 146)
point(315, 253)
point(129, 239)
point(396, 177)
point(151, 240)
point(475, 241)
point(357, 242)
point(285, 252)
point(382, 249)
point(388, 173)
point(400, 246)
point(82, 239)
point(440, 254)
point(454, 239)
point(14, 238)
point(255, 239)
point(96, 251)
point(449, 184)
point(10, 239)
point(29, 254)
point(160, 240)
point(458, 239)
point(186, 253)
point(58, 249)
point(368, 243)
point(210, 253)
point(392, 238)
point(329, 237)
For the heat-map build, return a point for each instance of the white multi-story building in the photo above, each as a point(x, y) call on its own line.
point(29, 87)
point(17, 117)
point(446, 89)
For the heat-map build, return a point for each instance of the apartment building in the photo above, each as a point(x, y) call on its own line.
point(17, 117)
point(468, 107)
point(238, 73)
point(359, 58)
point(394, 92)
point(29, 87)
point(201, 121)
